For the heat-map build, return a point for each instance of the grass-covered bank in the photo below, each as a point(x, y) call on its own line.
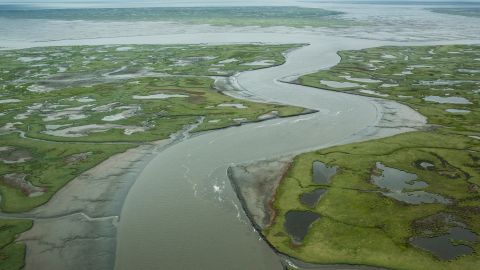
point(369, 222)
point(11, 253)
point(358, 224)
point(46, 169)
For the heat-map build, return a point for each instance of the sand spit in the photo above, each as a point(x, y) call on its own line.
point(254, 184)
point(396, 118)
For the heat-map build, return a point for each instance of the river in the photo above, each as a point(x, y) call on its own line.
point(182, 213)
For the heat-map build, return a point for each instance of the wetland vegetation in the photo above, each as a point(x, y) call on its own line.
point(411, 201)
point(430, 79)
point(64, 110)
point(12, 253)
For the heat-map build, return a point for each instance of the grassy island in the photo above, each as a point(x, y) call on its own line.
point(392, 202)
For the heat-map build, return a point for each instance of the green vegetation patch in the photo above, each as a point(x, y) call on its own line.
point(128, 93)
point(12, 254)
point(359, 223)
point(441, 82)
point(28, 184)
point(94, 64)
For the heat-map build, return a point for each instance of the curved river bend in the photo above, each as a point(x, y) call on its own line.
point(182, 212)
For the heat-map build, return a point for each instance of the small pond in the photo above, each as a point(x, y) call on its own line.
point(446, 247)
point(310, 199)
point(297, 224)
point(398, 183)
point(322, 173)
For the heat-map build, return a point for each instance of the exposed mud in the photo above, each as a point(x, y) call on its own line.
point(256, 185)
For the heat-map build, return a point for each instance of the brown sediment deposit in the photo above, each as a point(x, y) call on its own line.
point(256, 185)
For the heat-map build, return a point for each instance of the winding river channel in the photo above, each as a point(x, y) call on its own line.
point(182, 212)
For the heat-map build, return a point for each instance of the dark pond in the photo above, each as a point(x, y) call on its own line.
point(311, 198)
point(297, 224)
point(444, 246)
point(322, 174)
